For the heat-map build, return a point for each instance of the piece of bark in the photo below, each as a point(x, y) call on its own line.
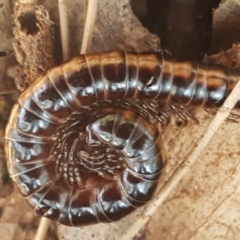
point(226, 31)
point(33, 42)
point(229, 58)
point(7, 58)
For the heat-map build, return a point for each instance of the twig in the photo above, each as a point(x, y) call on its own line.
point(173, 181)
point(27, 1)
point(42, 229)
point(89, 25)
point(64, 28)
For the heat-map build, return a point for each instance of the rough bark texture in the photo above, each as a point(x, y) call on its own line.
point(33, 43)
point(205, 204)
point(7, 58)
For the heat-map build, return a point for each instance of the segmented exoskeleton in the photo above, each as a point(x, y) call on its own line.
point(83, 144)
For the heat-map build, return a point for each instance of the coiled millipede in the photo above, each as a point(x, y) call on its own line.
point(82, 141)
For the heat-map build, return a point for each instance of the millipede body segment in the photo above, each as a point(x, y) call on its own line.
point(83, 142)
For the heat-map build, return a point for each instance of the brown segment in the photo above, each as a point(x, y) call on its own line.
point(217, 85)
point(80, 207)
point(95, 71)
point(31, 181)
point(114, 80)
point(217, 91)
point(131, 74)
point(26, 121)
point(48, 99)
point(53, 201)
point(149, 81)
point(166, 81)
point(149, 67)
point(114, 203)
point(62, 87)
point(183, 86)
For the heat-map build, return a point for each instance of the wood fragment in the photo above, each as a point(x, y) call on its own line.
point(229, 58)
point(64, 28)
point(7, 58)
point(89, 26)
point(42, 229)
point(33, 41)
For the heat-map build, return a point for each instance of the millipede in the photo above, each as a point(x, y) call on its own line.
point(84, 141)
